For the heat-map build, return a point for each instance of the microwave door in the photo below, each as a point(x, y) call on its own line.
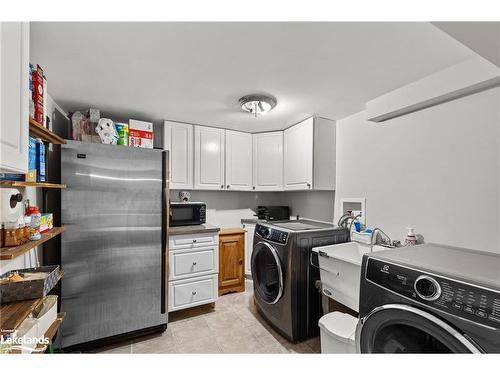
point(183, 215)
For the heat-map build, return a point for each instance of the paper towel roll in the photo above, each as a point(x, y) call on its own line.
point(7, 212)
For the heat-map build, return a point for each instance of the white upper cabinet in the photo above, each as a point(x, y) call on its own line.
point(298, 156)
point(178, 139)
point(309, 155)
point(238, 160)
point(14, 96)
point(268, 161)
point(209, 153)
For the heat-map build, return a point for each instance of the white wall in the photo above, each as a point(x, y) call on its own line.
point(437, 170)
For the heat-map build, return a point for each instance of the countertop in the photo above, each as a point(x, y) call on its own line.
point(250, 221)
point(191, 229)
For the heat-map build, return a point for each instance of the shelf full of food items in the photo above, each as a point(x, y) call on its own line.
point(25, 318)
point(29, 319)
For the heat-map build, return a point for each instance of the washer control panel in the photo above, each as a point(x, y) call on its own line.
point(471, 302)
point(271, 234)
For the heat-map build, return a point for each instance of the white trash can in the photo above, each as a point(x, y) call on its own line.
point(337, 333)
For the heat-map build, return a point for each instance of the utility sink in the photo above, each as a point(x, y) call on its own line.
point(340, 270)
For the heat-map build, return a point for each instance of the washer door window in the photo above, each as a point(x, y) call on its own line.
point(267, 273)
point(405, 329)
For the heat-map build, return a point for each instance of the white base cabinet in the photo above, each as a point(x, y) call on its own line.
point(192, 292)
point(193, 269)
point(14, 96)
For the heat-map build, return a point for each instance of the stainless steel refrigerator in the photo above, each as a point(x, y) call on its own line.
point(114, 250)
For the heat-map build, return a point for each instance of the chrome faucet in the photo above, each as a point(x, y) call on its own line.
point(344, 221)
point(384, 241)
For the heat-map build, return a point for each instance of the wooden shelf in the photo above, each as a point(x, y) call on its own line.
point(37, 130)
point(12, 314)
point(8, 253)
point(46, 185)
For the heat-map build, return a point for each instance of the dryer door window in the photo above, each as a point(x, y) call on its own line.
point(267, 273)
point(405, 329)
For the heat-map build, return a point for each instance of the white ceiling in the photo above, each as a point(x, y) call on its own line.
point(196, 72)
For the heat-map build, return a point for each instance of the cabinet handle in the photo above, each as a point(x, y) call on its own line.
point(308, 185)
point(193, 292)
point(194, 241)
point(253, 187)
point(227, 187)
point(240, 261)
point(194, 263)
point(222, 186)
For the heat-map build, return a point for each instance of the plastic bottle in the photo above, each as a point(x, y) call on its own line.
point(35, 222)
point(410, 238)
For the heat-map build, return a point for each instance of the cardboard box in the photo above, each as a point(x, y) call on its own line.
point(31, 175)
point(140, 134)
point(46, 222)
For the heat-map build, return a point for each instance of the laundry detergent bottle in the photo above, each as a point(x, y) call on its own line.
point(410, 238)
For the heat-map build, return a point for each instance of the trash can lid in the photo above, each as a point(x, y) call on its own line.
point(339, 325)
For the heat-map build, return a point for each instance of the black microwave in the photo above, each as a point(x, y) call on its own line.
point(187, 213)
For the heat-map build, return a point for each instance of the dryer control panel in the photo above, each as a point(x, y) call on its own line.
point(271, 234)
point(468, 301)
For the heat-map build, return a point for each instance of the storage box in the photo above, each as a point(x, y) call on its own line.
point(27, 335)
point(46, 314)
point(46, 222)
point(140, 134)
point(29, 289)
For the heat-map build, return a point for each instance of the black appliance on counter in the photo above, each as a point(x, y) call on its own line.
point(273, 213)
point(187, 213)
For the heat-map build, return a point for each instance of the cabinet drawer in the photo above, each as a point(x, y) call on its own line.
point(187, 241)
point(193, 262)
point(192, 292)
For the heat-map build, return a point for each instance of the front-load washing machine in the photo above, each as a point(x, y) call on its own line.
point(285, 282)
point(429, 299)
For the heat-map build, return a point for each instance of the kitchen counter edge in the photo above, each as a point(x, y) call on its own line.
point(192, 229)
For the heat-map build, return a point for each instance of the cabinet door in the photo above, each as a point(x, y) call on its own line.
point(298, 156)
point(178, 140)
point(14, 96)
point(250, 229)
point(268, 161)
point(231, 263)
point(238, 160)
point(208, 158)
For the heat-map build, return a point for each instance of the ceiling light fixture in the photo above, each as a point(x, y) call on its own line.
point(257, 104)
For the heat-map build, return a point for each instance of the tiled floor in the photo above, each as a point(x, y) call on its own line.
point(233, 326)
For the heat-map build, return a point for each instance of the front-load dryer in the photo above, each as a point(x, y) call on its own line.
point(285, 282)
point(429, 299)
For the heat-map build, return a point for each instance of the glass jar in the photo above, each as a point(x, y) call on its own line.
point(20, 230)
point(2, 234)
point(27, 228)
point(10, 234)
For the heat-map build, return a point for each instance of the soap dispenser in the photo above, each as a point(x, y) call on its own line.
point(410, 238)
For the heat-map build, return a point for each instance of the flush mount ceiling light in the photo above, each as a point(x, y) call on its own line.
point(257, 104)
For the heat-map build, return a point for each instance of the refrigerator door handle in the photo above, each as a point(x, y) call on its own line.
point(164, 234)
